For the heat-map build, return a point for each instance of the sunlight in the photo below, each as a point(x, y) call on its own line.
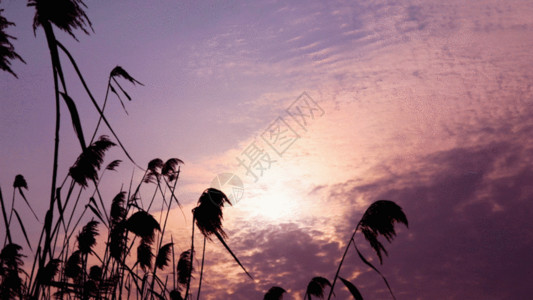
point(305, 115)
point(274, 205)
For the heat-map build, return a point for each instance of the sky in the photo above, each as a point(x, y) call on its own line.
point(425, 103)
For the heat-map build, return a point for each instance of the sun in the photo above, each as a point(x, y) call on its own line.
point(272, 204)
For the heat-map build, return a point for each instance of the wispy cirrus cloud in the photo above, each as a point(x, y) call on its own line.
point(422, 109)
point(426, 104)
point(468, 209)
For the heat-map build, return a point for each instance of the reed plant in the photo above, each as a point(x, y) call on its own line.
point(379, 219)
point(136, 257)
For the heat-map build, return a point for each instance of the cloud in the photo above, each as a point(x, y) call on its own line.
point(285, 254)
point(469, 215)
point(427, 105)
point(469, 212)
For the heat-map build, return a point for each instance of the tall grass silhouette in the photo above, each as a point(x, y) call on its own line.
point(136, 252)
point(75, 269)
point(378, 220)
point(7, 50)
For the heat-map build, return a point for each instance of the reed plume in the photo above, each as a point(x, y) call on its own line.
point(208, 215)
point(118, 71)
point(163, 256)
point(73, 266)
point(143, 225)
point(87, 237)
point(379, 219)
point(316, 287)
point(11, 263)
point(118, 212)
point(169, 168)
point(117, 240)
point(144, 255)
point(95, 273)
point(113, 165)
point(153, 173)
point(274, 293)
point(88, 163)
point(185, 268)
point(7, 50)
point(67, 15)
point(20, 182)
point(175, 295)
point(46, 275)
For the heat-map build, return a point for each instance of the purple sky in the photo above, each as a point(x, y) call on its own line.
point(425, 103)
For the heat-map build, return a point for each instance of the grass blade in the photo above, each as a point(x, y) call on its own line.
point(96, 104)
point(374, 268)
point(8, 233)
point(27, 203)
point(173, 264)
point(75, 119)
point(60, 207)
point(353, 290)
point(123, 91)
point(221, 239)
point(96, 213)
point(119, 99)
point(201, 271)
point(159, 296)
point(23, 229)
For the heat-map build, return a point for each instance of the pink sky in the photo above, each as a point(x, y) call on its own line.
point(425, 103)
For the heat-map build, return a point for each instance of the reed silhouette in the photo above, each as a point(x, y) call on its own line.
point(274, 293)
point(68, 272)
point(7, 50)
point(378, 220)
point(66, 262)
point(316, 287)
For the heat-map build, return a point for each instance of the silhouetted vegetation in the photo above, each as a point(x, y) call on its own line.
point(68, 271)
point(7, 50)
point(66, 262)
point(378, 219)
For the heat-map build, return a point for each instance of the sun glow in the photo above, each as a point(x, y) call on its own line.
point(273, 205)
